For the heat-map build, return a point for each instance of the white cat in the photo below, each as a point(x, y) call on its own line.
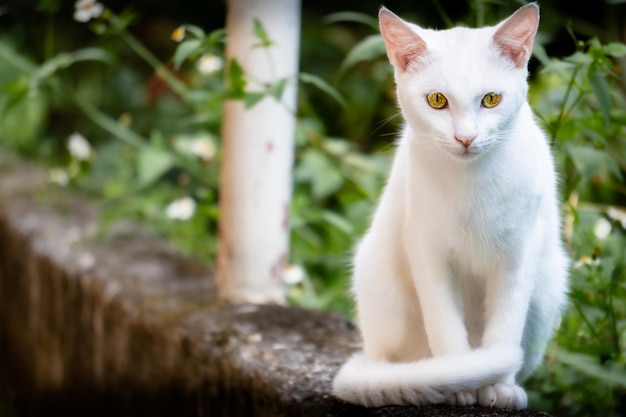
point(462, 275)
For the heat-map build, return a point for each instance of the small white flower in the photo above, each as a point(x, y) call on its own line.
point(587, 260)
point(181, 209)
point(602, 229)
point(203, 147)
point(617, 214)
point(209, 63)
point(293, 274)
point(58, 176)
point(79, 147)
point(85, 10)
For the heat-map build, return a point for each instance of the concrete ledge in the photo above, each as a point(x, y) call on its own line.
point(123, 325)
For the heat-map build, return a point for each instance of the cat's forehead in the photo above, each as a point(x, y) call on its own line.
point(462, 60)
point(457, 39)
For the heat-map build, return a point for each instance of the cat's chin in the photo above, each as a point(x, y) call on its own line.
point(464, 155)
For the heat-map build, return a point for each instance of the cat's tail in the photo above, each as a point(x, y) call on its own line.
point(429, 381)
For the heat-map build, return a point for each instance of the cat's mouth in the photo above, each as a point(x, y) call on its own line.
point(465, 153)
point(458, 151)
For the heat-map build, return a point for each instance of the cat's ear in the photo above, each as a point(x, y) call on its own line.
point(514, 37)
point(404, 46)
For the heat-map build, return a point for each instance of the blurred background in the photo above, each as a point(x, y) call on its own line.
point(86, 100)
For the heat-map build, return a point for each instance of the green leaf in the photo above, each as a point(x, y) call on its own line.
point(91, 54)
point(185, 50)
point(261, 34)
point(615, 49)
point(16, 91)
point(601, 89)
point(121, 22)
point(316, 168)
point(589, 365)
point(22, 116)
point(598, 137)
point(322, 85)
point(65, 60)
point(540, 53)
point(152, 162)
point(372, 47)
point(338, 222)
point(236, 79)
point(9, 54)
point(337, 147)
point(277, 88)
point(589, 161)
point(567, 130)
point(217, 36)
point(252, 98)
point(580, 58)
point(195, 30)
point(354, 17)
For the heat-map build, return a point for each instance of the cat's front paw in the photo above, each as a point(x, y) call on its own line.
point(508, 396)
point(463, 398)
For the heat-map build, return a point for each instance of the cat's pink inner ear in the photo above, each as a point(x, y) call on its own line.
point(516, 34)
point(403, 45)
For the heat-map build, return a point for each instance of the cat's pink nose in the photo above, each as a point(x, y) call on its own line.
point(466, 141)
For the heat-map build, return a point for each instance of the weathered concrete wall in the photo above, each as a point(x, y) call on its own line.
point(123, 325)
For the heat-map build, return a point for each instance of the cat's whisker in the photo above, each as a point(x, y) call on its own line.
point(386, 121)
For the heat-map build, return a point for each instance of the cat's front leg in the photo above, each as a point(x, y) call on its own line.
point(440, 302)
point(443, 317)
point(506, 308)
point(442, 314)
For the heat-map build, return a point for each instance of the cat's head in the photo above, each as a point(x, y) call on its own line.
point(461, 89)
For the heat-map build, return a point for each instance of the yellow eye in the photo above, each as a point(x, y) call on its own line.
point(437, 100)
point(491, 100)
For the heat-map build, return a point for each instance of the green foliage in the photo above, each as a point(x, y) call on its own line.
point(154, 128)
point(261, 34)
point(581, 103)
point(369, 48)
point(322, 85)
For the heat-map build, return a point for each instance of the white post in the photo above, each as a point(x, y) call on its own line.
point(255, 184)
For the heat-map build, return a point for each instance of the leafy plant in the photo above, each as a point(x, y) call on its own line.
point(580, 101)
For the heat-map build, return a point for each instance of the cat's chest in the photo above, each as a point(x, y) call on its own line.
point(492, 222)
point(488, 219)
point(482, 215)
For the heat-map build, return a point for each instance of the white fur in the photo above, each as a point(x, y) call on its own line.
point(462, 275)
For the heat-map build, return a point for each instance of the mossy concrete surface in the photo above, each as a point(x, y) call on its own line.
point(119, 324)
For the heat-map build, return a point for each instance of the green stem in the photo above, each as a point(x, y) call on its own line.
point(94, 114)
point(563, 111)
point(49, 39)
point(161, 70)
point(103, 120)
point(8, 54)
point(597, 208)
point(615, 334)
point(590, 326)
point(443, 14)
point(480, 13)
